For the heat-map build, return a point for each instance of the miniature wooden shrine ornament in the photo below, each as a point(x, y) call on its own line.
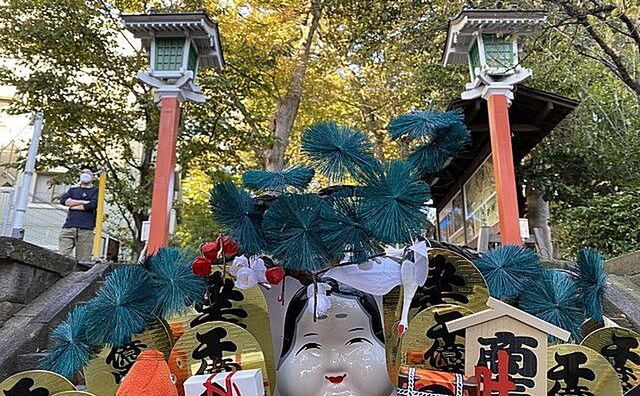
point(505, 328)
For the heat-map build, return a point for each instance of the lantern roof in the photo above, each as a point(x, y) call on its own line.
point(464, 27)
point(202, 30)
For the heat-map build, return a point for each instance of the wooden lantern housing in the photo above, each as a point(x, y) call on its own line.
point(487, 40)
point(177, 43)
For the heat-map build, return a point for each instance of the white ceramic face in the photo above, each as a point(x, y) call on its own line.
point(338, 355)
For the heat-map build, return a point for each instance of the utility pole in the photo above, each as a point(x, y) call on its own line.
point(27, 176)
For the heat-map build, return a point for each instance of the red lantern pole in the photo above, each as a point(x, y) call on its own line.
point(164, 173)
point(503, 167)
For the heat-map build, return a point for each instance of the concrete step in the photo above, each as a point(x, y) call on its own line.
point(27, 332)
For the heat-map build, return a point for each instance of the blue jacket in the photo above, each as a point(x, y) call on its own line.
point(85, 219)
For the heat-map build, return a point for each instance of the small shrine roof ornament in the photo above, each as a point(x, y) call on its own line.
point(498, 309)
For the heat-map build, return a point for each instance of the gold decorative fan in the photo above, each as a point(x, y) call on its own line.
point(104, 373)
point(28, 381)
point(578, 370)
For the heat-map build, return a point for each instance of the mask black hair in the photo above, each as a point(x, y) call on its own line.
point(297, 306)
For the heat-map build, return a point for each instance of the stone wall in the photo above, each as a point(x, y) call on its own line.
point(26, 271)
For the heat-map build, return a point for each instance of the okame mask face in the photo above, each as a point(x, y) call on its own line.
point(341, 354)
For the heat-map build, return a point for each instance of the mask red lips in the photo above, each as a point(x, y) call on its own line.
point(335, 380)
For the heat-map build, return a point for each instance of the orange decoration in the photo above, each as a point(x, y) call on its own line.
point(149, 376)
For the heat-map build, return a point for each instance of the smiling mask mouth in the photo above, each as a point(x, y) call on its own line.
point(335, 379)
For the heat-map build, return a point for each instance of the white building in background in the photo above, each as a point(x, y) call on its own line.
point(45, 216)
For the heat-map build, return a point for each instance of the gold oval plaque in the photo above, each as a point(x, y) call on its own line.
point(28, 382)
point(578, 370)
point(621, 347)
point(452, 279)
point(104, 373)
point(215, 347)
point(428, 344)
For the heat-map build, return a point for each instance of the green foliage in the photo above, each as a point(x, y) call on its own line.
point(297, 177)
point(234, 210)
point(603, 222)
point(82, 76)
point(508, 268)
point(196, 224)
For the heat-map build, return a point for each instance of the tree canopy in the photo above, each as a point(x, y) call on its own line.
point(293, 63)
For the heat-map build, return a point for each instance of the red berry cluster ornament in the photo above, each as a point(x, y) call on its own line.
point(211, 251)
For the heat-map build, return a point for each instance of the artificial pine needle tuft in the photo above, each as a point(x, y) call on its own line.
point(554, 297)
point(592, 281)
point(122, 307)
point(293, 229)
point(69, 349)
point(297, 177)
point(338, 151)
point(175, 286)
point(423, 124)
point(508, 268)
point(344, 232)
point(432, 156)
point(394, 207)
point(234, 210)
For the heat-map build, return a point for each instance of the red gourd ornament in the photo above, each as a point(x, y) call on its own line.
point(210, 250)
point(274, 275)
point(229, 246)
point(201, 266)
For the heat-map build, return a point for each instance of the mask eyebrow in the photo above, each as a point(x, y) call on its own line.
point(310, 334)
point(355, 329)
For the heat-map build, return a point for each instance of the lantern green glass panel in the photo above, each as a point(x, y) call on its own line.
point(169, 52)
point(498, 51)
point(193, 59)
point(474, 55)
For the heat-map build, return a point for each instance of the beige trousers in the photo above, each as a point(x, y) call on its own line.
point(78, 238)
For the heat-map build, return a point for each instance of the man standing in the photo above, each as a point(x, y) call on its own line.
point(77, 230)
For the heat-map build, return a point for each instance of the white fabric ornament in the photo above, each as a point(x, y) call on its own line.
point(321, 303)
point(246, 278)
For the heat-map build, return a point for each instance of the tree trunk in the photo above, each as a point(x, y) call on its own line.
point(539, 216)
point(371, 124)
point(287, 106)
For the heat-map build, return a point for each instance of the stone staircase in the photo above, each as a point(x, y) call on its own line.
point(37, 290)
